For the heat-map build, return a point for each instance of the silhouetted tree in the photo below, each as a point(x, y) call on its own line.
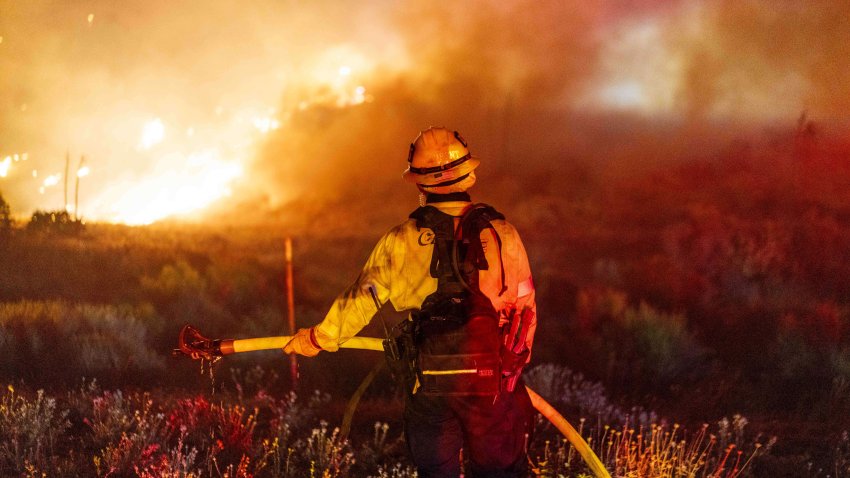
point(5, 216)
point(59, 222)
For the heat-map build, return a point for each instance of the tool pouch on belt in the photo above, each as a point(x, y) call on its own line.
point(400, 353)
point(456, 359)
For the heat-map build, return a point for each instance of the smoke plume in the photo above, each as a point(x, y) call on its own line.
point(316, 102)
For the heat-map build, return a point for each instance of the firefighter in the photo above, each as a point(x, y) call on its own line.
point(462, 272)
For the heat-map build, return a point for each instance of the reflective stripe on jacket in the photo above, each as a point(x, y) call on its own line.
point(399, 268)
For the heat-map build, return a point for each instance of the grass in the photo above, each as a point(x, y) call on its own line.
point(634, 442)
point(95, 432)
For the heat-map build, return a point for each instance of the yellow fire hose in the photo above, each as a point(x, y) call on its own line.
point(271, 343)
point(193, 344)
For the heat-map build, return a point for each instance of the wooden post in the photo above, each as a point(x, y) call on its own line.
point(290, 311)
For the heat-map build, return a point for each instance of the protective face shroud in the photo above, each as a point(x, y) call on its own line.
point(440, 162)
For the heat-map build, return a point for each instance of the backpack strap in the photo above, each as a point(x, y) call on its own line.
point(459, 253)
point(441, 267)
point(476, 219)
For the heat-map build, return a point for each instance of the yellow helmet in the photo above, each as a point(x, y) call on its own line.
point(440, 162)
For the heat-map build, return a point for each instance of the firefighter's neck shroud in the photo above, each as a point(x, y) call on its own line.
point(456, 331)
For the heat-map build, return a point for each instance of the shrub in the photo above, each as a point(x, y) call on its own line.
point(582, 397)
point(809, 355)
point(129, 431)
point(644, 347)
point(180, 291)
point(174, 281)
point(655, 450)
point(55, 222)
point(30, 431)
point(115, 433)
point(56, 342)
point(5, 217)
point(329, 454)
point(664, 351)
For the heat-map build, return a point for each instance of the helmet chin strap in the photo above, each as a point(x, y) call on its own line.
point(464, 183)
point(446, 183)
point(431, 198)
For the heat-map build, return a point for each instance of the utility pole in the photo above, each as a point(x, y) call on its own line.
point(67, 168)
point(80, 172)
point(290, 310)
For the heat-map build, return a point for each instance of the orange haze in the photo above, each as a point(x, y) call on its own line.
point(195, 106)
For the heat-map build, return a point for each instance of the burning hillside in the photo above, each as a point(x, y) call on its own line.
point(177, 108)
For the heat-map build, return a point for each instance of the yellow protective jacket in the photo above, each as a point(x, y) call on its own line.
point(399, 269)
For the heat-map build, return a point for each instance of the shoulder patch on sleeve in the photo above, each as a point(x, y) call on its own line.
point(525, 287)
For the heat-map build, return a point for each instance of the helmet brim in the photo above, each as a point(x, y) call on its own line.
point(432, 179)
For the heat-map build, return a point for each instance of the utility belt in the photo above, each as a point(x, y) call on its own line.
point(443, 355)
point(458, 359)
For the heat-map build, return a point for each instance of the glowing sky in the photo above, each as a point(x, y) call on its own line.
point(171, 103)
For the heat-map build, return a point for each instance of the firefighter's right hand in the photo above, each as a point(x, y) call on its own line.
point(512, 362)
point(303, 343)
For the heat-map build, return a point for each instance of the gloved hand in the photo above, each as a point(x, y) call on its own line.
point(303, 343)
point(513, 363)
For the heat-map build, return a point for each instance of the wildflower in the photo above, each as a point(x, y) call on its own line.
point(149, 451)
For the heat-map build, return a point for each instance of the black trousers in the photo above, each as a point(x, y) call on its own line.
point(492, 434)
